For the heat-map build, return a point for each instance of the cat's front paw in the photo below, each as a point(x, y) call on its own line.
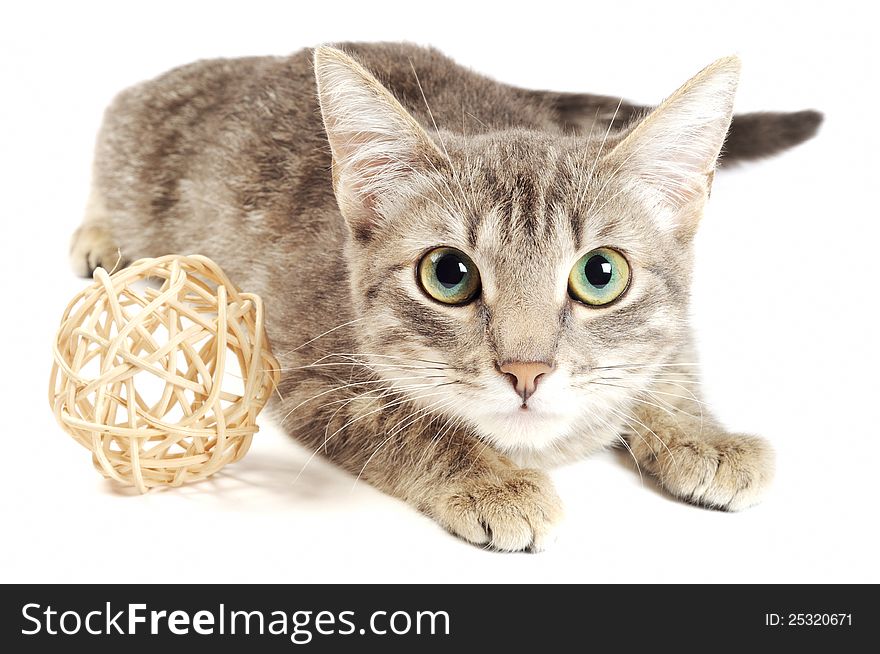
point(729, 471)
point(517, 511)
point(92, 246)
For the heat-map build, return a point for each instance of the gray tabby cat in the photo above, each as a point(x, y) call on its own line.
point(466, 282)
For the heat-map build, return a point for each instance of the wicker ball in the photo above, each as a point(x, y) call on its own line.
point(161, 369)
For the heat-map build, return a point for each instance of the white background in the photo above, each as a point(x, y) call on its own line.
point(784, 304)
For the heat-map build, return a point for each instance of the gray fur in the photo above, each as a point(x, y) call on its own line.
point(230, 159)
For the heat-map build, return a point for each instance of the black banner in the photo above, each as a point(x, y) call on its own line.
point(420, 618)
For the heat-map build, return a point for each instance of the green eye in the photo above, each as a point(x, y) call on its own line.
point(599, 277)
point(449, 276)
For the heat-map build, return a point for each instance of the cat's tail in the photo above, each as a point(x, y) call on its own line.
point(765, 133)
point(751, 136)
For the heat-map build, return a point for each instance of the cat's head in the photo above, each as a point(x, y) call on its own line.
point(524, 283)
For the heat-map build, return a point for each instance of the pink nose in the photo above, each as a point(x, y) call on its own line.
point(524, 375)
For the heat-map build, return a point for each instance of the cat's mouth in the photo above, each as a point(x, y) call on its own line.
point(530, 427)
point(528, 411)
point(530, 407)
point(496, 408)
point(532, 411)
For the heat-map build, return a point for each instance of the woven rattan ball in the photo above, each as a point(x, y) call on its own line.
point(161, 369)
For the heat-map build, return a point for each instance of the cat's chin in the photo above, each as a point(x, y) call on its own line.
point(523, 429)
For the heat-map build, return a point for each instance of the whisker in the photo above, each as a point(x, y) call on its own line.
point(694, 399)
point(432, 407)
point(636, 390)
point(667, 409)
point(371, 394)
point(363, 365)
point(329, 331)
point(652, 379)
point(361, 383)
point(632, 454)
point(618, 436)
point(584, 181)
point(599, 154)
point(373, 354)
point(358, 418)
point(455, 176)
point(643, 365)
point(627, 419)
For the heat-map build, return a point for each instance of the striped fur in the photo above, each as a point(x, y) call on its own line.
point(323, 198)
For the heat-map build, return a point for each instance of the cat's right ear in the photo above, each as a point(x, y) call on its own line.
point(376, 144)
point(672, 153)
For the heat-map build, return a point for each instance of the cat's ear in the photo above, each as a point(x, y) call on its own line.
point(376, 144)
point(674, 150)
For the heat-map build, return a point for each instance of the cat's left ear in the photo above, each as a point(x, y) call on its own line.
point(376, 144)
point(674, 150)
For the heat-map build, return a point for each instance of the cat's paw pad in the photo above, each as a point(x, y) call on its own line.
point(730, 472)
point(520, 511)
point(91, 247)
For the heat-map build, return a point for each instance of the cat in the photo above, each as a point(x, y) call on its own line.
point(466, 282)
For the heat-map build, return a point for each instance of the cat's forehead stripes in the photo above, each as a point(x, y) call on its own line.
point(520, 191)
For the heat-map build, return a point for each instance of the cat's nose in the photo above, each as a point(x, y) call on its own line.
point(524, 375)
